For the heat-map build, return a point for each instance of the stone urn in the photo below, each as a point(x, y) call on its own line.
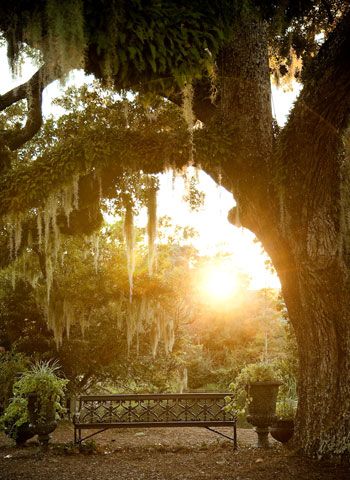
point(282, 430)
point(262, 408)
point(41, 425)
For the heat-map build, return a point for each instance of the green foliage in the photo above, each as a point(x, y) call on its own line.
point(88, 447)
point(15, 416)
point(257, 372)
point(128, 38)
point(252, 373)
point(11, 365)
point(286, 409)
point(213, 342)
point(96, 348)
point(154, 39)
point(194, 196)
point(98, 135)
point(157, 41)
point(40, 379)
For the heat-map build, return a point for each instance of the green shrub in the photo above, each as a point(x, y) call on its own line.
point(14, 417)
point(40, 379)
point(11, 364)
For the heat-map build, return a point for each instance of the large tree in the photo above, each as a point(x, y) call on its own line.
point(291, 188)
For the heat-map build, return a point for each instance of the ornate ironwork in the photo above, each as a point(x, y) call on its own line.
point(175, 410)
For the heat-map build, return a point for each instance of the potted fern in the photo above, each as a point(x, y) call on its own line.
point(36, 404)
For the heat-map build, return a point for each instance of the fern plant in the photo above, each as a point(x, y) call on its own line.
point(42, 380)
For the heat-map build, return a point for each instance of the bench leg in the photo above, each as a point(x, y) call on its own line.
point(235, 436)
point(77, 435)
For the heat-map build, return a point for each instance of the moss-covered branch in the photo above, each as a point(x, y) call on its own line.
point(29, 184)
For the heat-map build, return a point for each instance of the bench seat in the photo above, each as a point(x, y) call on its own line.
point(102, 412)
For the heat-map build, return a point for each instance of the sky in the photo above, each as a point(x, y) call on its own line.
point(215, 234)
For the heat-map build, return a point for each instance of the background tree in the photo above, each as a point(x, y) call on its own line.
point(211, 343)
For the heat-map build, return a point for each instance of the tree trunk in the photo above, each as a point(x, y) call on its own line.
point(318, 304)
point(295, 199)
point(314, 272)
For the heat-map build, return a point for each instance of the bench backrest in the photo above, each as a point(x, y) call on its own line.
point(148, 409)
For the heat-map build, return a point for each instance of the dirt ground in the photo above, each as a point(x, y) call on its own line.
point(159, 454)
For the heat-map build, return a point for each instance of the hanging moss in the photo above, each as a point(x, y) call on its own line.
point(67, 201)
point(13, 278)
point(155, 336)
point(129, 235)
point(68, 315)
point(57, 30)
point(95, 241)
point(39, 226)
point(65, 40)
point(126, 38)
point(213, 77)
point(183, 384)
point(188, 114)
point(17, 234)
point(152, 225)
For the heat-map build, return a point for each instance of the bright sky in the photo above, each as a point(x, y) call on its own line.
point(216, 235)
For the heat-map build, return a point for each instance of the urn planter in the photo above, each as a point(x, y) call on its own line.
point(282, 430)
point(262, 408)
point(41, 425)
point(36, 403)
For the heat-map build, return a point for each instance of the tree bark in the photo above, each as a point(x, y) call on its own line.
point(299, 211)
point(314, 184)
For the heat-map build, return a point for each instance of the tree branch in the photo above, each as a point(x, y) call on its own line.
point(325, 98)
point(32, 91)
point(308, 154)
point(30, 184)
point(20, 92)
point(327, 80)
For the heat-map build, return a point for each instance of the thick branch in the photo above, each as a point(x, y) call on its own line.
point(308, 157)
point(32, 91)
point(327, 80)
point(29, 185)
point(15, 139)
point(21, 92)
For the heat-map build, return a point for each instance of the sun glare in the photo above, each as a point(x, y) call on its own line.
point(218, 283)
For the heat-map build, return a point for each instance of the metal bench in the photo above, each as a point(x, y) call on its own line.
point(102, 412)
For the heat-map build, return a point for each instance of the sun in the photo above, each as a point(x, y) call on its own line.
point(218, 283)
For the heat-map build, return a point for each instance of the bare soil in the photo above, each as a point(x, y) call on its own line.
point(157, 454)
